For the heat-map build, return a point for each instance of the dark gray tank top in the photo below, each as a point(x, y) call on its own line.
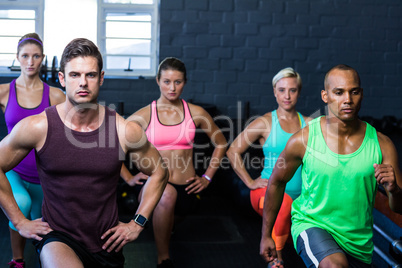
point(79, 173)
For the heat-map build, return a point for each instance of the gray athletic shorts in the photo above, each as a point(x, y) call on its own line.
point(314, 244)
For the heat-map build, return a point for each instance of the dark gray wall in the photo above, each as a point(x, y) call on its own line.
point(233, 48)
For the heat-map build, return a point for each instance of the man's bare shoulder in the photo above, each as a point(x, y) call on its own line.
point(382, 138)
point(31, 131)
point(35, 122)
point(298, 141)
point(385, 142)
point(131, 134)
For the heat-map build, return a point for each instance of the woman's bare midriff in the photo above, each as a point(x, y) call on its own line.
point(180, 165)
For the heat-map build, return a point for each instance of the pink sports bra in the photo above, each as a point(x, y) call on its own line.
point(171, 137)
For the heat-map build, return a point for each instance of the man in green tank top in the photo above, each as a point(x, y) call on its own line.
point(344, 159)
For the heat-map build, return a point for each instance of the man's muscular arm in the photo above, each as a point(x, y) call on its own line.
point(28, 134)
point(288, 162)
point(148, 160)
point(388, 173)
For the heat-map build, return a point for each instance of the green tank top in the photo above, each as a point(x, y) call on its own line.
point(338, 192)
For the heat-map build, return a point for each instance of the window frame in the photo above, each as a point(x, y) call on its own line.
point(36, 5)
point(153, 9)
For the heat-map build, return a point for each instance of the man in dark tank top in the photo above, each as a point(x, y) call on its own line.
point(80, 147)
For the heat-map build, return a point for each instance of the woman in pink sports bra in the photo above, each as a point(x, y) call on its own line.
point(170, 124)
point(27, 95)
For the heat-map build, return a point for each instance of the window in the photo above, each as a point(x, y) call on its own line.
point(25, 16)
point(66, 20)
point(128, 35)
point(126, 31)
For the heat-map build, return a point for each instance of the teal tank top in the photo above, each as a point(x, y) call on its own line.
point(273, 147)
point(338, 192)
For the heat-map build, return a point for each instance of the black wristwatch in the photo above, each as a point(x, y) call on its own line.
point(141, 220)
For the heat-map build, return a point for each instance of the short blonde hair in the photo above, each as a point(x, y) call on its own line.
point(287, 72)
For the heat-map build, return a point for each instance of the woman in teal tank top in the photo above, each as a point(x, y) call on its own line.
point(273, 147)
point(272, 131)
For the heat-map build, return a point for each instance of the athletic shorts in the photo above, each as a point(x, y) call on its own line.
point(89, 259)
point(314, 244)
point(185, 203)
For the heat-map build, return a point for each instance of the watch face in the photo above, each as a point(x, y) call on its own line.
point(141, 220)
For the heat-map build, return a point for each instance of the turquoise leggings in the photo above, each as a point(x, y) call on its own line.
point(28, 195)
